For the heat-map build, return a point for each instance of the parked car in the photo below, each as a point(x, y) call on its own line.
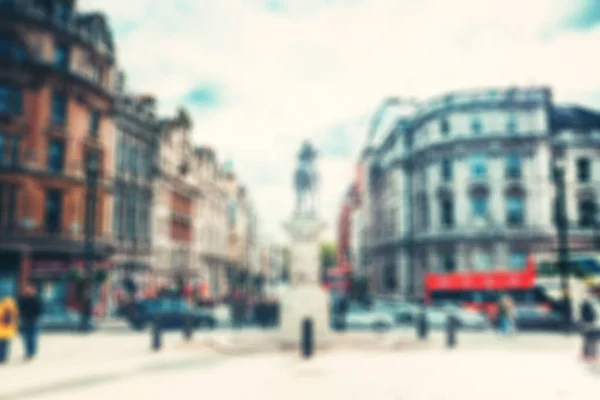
point(172, 313)
point(60, 320)
point(537, 318)
point(404, 313)
point(359, 316)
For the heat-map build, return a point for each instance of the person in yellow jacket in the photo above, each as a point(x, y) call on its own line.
point(8, 325)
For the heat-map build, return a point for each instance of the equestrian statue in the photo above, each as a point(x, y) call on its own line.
point(306, 181)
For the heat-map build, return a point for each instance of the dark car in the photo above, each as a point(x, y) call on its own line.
point(172, 314)
point(537, 319)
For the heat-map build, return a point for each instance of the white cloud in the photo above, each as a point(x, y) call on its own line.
point(292, 75)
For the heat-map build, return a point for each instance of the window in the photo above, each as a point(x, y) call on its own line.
point(61, 56)
point(476, 125)
point(448, 263)
point(587, 213)
point(62, 12)
point(94, 122)
point(517, 260)
point(479, 206)
point(56, 156)
point(444, 127)
point(482, 260)
point(447, 170)
point(8, 202)
point(96, 73)
point(512, 166)
point(130, 215)
point(11, 49)
point(118, 212)
point(479, 166)
point(11, 99)
point(583, 170)
point(59, 109)
point(424, 213)
point(447, 212)
point(133, 159)
point(53, 211)
point(514, 211)
point(9, 150)
point(512, 124)
point(121, 151)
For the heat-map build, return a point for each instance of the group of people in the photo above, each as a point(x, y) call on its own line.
point(20, 316)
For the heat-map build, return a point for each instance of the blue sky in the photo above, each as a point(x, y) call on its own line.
point(261, 75)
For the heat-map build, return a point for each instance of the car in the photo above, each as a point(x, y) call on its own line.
point(404, 313)
point(172, 314)
point(60, 320)
point(538, 319)
point(359, 316)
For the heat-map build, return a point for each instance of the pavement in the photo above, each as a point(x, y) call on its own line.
point(122, 366)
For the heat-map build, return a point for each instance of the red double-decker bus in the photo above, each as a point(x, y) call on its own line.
point(480, 290)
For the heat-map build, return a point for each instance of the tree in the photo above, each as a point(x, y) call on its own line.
point(328, 258)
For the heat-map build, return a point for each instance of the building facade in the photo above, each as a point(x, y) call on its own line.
point(212, 225)
point(136, 139)
point(176, 192)
point(465, 184)
point(57, 79)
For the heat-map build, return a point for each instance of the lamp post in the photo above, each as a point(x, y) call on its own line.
point(563, 239)
point(91, 169)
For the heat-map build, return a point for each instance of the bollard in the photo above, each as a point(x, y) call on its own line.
point(156, 334)
point(188, 327)
point(451, 329)
point(307, 333)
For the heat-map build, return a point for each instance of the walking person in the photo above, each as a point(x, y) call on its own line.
point(9, 315)
point(589, 331)
point(30, 311)
point(503, 316)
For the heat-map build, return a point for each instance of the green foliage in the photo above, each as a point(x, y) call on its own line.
point(328, 255)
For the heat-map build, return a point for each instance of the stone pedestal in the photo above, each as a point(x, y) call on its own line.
point(304, 298)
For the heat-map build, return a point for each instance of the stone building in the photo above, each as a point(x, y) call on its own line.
point(211, 223)
point(465, 183)
point(57, 79)
point(175, 202)
point(136, 140)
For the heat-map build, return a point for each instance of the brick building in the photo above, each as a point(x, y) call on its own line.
point(56, 79)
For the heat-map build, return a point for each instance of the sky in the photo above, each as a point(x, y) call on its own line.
point(260, 76)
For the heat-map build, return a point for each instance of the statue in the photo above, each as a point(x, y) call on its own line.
point(306, 180)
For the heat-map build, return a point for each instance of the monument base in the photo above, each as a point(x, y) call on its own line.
point(299, 303)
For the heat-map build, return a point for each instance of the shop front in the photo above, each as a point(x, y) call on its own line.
point(9, 274)
point(59, 281)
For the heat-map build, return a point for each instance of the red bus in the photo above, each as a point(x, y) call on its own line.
point(338, 279)
point(480, 290)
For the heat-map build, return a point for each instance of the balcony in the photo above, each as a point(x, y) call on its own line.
point(479, 185)
point(60, 240)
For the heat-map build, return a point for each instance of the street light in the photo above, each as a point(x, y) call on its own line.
point(563, 238)
point(92, 168)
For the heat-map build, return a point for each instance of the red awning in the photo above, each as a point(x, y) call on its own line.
point(497, 280)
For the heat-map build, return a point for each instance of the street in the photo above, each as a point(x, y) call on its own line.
point(107, 364)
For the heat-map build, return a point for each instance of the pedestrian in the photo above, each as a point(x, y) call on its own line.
point(589, 331)
point(9, 315)
point(30, 311)
point(503, 315)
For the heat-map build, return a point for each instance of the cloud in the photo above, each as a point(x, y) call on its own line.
point(203, 96)
point(286, 70)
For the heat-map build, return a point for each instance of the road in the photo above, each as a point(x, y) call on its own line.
point(109, 365)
